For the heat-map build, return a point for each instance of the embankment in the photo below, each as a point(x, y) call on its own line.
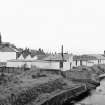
point(29, 89)
point(34, 91)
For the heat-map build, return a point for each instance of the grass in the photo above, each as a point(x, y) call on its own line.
point(35, 84)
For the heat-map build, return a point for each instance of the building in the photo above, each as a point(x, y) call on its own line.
point(29, 61)
point(7, 52)
point(88, 60)
point(54, 61)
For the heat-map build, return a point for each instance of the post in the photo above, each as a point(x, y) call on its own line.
point(70, 60)
point(70, 65)
point(61, 60)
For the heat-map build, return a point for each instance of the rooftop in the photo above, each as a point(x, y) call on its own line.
point(7, 49)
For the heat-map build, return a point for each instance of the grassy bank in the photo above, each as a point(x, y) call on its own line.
point(33, 86)
point(23, 88)
point(85, 72)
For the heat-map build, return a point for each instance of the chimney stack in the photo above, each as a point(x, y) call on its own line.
point(62, 52)
point(61, 61)
point(104, 52)
point(0, 38)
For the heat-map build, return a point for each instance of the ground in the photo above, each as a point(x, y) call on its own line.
point(43, 84)
point(12, 84)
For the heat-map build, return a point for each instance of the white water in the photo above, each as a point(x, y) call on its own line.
point(97, 96)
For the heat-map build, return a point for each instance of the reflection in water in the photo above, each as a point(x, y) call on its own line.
point(97, 96)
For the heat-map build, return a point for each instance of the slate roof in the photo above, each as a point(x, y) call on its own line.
point(42, 56)
point(36, 57)
point(88, 57)
point(57, 57)
point(98, 56)
point(7, 49)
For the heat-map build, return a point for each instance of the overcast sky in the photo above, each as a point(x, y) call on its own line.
point(77, 24)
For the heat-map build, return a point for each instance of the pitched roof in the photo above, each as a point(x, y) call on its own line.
point(88, 57)
point(35, 57)
point(84, 57)
point(20, 57)
point(57, 57)
point(28, 57)
point(98, 56)
point(42, 56)
point(6, 49)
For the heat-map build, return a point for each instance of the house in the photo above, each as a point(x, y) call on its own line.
point(44, 61)
point(83, 60)
point(88, 60)
point(7, 53)
point(55, 59)
point(100, 59)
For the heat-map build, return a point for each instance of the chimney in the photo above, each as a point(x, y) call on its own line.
point(0, 38)
point(62, 52)
point(104, 52)
point(61, 61)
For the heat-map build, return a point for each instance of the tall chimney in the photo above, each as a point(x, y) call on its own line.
point(104, 52)
point(0, 38)
point(61, 61)
point(62, 52)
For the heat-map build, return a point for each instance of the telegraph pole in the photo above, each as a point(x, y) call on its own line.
point(62, 58)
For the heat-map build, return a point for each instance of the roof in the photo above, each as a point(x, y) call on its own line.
point(20, 57)
point(57, 57)
point(42, 56)
point(84, 57)
point(35, 57)
point(28, 57)
point(89, 57)
point(98, 56)
point(7, 49)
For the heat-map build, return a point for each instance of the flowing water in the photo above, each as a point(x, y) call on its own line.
point(96, 97)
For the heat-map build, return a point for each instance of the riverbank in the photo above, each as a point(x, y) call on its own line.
point(96, 96)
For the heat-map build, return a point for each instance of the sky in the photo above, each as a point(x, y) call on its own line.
point(77, 24)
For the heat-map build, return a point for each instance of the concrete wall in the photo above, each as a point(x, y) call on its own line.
point(40, 64)
point(48, 64)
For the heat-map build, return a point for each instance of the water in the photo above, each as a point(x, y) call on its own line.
point(96, 97)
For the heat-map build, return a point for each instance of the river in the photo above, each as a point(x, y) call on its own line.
point(96, 97)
